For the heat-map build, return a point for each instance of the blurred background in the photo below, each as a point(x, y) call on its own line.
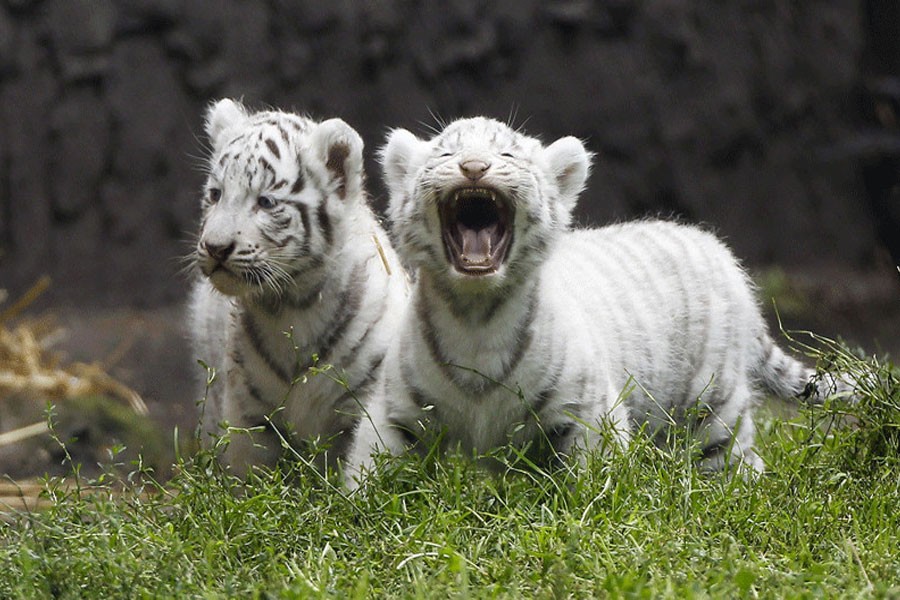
point(773, 122)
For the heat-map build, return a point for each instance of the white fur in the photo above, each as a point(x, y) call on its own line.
point(223, 115)
point(303, 277)
point(641, 323)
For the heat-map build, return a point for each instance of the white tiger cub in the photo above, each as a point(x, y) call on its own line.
point(508, 297)
point(294, 265)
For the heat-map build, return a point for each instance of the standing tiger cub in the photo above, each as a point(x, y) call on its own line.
point(296, 272)
point(523, 331)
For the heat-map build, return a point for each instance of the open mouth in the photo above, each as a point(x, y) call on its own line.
point(476, 225)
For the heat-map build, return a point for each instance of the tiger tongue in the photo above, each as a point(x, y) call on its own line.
point(476, 244)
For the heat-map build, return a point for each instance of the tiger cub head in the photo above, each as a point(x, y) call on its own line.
point(480, 203)
point(278, 187)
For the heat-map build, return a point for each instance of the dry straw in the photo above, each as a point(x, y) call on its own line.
point(27, 366)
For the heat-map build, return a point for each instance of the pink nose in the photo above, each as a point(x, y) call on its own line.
point(474, 169)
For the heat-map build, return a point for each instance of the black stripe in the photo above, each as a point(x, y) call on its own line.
point(559, 434)
point(419, 397)
point(273, 148)
point(545, 396)
point(256, 395)
point(304, 218)
point(277, 241)
point(429, 334)
point(523, 337)
point(325, 223)
point(255, 339)
point(546, 447)
point(810, 390)
point(532, 218)
point(304, 302)
point(684, 264)
point(642, 272)
point(459, 309)
point(409, 436)
point(281, 219)
point(365, 336)
point(361, 387)
point(310, 264)
point(714, 448)
point(237, 358)
point(348, 305)
point(298, 183)
point(582, 388)
point(448, 368)
point(271, 304)
point(498, 302)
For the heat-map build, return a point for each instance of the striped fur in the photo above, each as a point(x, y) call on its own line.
point(640, 324)
point(292, 273)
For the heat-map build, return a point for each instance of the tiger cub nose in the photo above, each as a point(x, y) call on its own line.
point(219, 252)
point(474, 169)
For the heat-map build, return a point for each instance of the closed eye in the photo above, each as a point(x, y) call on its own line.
point(506, 155)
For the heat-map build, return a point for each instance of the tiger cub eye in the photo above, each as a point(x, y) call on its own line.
point(266, 202)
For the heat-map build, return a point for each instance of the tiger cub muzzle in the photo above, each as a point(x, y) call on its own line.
point(476, 227)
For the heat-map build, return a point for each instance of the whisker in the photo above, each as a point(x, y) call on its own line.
point(279, 277)
point(521, 128)
point(513, 115)
point(266, 278)
point(441, 123)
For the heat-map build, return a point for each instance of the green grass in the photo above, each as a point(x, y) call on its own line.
point(823, 521)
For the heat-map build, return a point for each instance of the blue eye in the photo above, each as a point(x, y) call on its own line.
point(266, 202)
point(214, 195)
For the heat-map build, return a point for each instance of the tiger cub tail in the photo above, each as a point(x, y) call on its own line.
point(786, 377)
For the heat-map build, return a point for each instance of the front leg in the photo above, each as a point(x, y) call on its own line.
point(252, 440)
point(249, 445)
point(374, 434)
point(604, 425)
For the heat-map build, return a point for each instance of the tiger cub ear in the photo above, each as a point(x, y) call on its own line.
point(396, 158)
point(340, 148)
point(569, 165)
point(222, 116)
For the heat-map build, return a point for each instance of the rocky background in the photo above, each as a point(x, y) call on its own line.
point(744, 115)
point(773, 121)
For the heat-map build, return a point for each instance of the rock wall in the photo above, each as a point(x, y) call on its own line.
point(736, 114)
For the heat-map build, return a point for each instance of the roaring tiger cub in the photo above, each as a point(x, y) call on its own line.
point(523, 331)
point(296, 273)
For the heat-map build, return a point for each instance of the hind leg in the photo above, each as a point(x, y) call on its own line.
point(726, 436)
